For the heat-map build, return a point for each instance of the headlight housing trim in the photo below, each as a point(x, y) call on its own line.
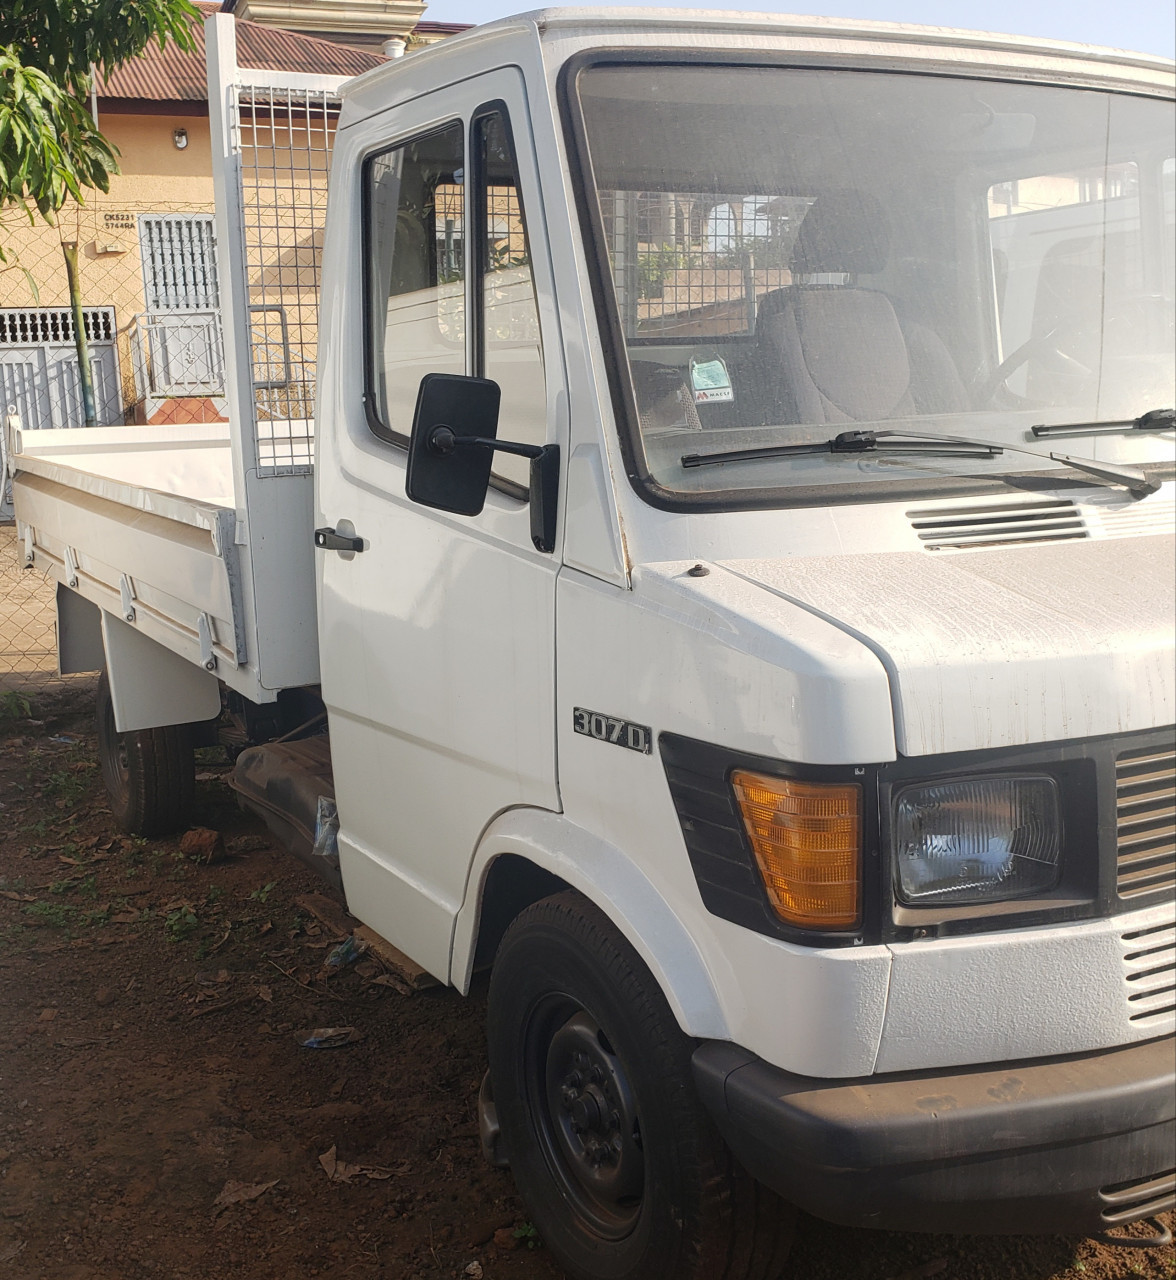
point(698, 777)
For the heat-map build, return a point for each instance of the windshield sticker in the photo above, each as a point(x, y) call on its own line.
point(711, 381)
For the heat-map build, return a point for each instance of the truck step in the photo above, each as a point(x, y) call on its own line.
point(333, 915)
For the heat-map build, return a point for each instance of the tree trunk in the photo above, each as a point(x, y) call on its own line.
point(70, 249)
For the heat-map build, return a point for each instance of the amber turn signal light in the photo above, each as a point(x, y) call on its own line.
point(806, 837)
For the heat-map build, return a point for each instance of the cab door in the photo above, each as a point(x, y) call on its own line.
point(437, 638)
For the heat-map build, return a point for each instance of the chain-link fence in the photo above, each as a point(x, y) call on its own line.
point(28, 641)
point(149, 290)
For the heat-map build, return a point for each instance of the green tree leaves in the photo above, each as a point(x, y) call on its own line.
point(65, 38)
point(50, 147)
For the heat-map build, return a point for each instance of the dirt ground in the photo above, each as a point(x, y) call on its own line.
point(159, 1116)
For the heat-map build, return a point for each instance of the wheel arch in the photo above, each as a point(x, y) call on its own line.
point(529, 854)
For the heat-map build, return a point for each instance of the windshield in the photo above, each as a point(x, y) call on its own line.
point(792, 253)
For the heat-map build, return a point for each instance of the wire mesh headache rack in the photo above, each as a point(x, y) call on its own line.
point(690, 265)
point(284, 137)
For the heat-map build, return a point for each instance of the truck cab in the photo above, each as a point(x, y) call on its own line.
point(744, 506)
point(840, 694)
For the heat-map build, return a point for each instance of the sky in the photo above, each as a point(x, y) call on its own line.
point(1147, 26)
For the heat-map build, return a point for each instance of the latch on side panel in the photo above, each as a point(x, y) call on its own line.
point(204, 631)
point(71, 567)
point(126, 594)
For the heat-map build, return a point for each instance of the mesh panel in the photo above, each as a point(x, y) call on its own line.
point(693, 265)
point(285, 138)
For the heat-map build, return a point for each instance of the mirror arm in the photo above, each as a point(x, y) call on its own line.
point(544, 481)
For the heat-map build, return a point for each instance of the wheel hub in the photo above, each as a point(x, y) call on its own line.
point(591, 1129)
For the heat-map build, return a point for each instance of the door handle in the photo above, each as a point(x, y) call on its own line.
point(329, 540)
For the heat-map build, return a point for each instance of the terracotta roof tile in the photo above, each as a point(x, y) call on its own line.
point(167, 75)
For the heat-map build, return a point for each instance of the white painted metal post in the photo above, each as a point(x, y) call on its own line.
point(275, 504)
point(221, 51)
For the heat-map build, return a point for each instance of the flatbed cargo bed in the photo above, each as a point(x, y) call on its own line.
point(144, 523)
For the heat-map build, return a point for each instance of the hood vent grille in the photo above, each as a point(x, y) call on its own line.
point(1156, 515)
point(939, 528)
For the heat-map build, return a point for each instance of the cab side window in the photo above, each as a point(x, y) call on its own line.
point(415, 253)
point(509, 350)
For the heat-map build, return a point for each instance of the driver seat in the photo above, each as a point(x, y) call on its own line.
point(843, 352)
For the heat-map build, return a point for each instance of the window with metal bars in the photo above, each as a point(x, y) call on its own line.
point(179, 262)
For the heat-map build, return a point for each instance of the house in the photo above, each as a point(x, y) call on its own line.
point(148, 259)
point(363, 24)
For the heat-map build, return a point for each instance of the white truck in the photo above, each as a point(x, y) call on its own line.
point(732, 597)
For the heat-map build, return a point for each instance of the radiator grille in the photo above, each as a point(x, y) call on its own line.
point(941, 528)
point(1149, 968)
point(1146, 798)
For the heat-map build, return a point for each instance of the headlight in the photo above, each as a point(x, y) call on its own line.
point(975, 841)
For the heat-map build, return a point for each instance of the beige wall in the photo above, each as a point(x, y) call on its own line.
point(156, 177)
point(149, 152)
point(285, 185)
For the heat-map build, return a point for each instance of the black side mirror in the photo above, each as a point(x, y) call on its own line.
point(451, 450)
point(451, 408)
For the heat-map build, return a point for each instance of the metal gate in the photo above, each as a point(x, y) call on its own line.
point(39, 366)
point(178, 350)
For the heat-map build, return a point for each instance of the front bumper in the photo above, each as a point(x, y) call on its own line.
point(1073, 1145)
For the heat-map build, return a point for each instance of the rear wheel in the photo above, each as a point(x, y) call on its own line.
point(150, 774)
point(622, 1170)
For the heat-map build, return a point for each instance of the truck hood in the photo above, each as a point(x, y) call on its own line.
point(1006, 647)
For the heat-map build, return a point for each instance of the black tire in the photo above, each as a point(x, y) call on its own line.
point(621, 1168)
point(150, 774)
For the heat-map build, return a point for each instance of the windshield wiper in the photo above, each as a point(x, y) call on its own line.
point(915, 443)
point(1153, 420)
point(858, 442)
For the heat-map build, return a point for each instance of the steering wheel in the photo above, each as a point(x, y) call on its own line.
point(1042, 348)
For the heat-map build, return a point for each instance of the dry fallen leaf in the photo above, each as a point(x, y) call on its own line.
point(340, 1171)
point(239, 1192)
point(266, 994)
point(391, 980)
point(328, 1037)
point(210, 977)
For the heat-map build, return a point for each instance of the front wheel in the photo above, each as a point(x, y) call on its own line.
point(621, 1168)
point(150, 774)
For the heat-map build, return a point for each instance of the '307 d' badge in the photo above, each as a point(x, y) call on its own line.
point(623, 733)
